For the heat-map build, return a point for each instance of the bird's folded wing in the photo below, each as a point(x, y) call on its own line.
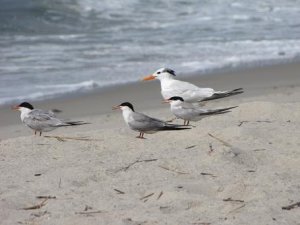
point(142, 121)
point(39, 115)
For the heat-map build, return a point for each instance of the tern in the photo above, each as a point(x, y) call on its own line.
point(189, 92)
point(189, 112)
point(143, 123)
point(40, 120)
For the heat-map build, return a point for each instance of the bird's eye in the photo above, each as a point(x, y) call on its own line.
point(158, 72)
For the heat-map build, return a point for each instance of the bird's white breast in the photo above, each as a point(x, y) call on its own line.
point(24, 113)
point(127, 115)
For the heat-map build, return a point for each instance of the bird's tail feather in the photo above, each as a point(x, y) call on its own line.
point(218, 111)
point(175, 127)
point(223, 94)
point(73, 123)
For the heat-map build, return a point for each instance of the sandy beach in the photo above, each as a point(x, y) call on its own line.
point(237, 168)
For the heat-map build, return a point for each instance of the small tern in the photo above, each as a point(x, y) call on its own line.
point(189, 112)
point(143, 123)
point(189, 92)
point(40, 120)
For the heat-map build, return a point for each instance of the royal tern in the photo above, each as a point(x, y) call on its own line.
point(189, 112)
point(189, 92)
point(40, 120)
point(143, 123)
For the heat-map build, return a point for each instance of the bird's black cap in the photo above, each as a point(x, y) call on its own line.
point(128, 104)
point(26, 105)
point(170, 71)
point(175, 98)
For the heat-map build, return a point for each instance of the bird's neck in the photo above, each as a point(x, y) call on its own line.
point(176, 106)
point(166, 81)
point(24, 113)
point(127, 114)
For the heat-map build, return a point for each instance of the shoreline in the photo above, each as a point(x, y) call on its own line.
point(145, 95)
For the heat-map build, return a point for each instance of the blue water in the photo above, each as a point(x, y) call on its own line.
point(49, 48)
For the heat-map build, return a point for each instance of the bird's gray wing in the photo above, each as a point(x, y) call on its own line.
point(192, 110)
point(39, 119)
point(143, 122)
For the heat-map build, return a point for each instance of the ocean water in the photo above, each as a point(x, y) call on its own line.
point(49, 48)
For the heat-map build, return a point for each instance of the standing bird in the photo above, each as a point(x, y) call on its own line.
point(143, 123)
point(40, 120)
point(189, 92)
point(189, 112)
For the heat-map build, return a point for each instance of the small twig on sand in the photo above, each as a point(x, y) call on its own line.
point(263, 121)
point(39, 214)
point(220, 140)
point(62, 138)
point(160, 194)
point(38, 206)
point(192, 146)
point(130, 165)
point(232, 200)
point(119, 192)
point(242, 206)
point(257, 121)
point(179, 172)
point(89, 213)
point(259, 149)
point(292, 206)
point(136, 161)
point(46, 197)
point(242, 122)
point(147, 196)
point(148, 160)
point(208, 174)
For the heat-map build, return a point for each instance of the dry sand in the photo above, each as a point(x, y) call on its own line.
point(237, 168)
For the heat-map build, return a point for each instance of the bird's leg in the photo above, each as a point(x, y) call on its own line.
point(40, 133)
point(184, 122)
point(35, 132)
point(141, 136)
point(188, 122)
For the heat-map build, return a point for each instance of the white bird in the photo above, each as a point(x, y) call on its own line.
point(143, 123)
point(40, 120)
point(189, 92)
point(189, 112)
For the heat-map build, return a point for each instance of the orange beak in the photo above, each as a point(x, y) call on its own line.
point(116, 107)
point(150, 77)
point(15, 108)
point(165, 101)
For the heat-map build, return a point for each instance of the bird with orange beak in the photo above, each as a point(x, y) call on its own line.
point(40, 120)
point(189, 92)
